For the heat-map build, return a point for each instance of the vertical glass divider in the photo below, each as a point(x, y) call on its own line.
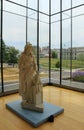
point(2, 46)
point(26, 20)
point(60, 42)
point(71, 46)
point(38, 34)
point(49, 41)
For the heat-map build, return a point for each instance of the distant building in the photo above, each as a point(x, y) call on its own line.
point(66, 53)
point(44, 52)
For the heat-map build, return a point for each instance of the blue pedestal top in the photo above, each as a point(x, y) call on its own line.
point(33, 117)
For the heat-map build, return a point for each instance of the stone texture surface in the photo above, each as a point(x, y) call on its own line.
point(30, 86)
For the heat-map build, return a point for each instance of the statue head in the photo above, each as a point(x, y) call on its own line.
point(28, 48)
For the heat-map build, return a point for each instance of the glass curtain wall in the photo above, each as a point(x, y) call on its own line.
point(13, 40)
point(66, 47)
point(55, 49)
point(67, 27)
point(44, 47)
point(32, 30)
point(55, 41)
point(73, 45)
point(78, 45)
point(44, 40)
point(55, 29)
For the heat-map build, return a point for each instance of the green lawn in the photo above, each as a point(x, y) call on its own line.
point(44, 62)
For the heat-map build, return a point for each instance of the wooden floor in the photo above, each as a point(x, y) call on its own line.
point(71, 119)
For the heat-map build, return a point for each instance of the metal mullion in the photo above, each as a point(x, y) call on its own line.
point(2, 46)
point(49, 41)
point(71, 46)
point(26, 21)
point(60, 42)
point(38, 34)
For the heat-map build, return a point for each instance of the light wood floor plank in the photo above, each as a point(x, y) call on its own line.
point(71, 119)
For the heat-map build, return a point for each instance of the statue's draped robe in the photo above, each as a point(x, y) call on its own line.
point(28, 77)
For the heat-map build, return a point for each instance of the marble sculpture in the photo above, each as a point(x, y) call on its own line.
point(30, 86)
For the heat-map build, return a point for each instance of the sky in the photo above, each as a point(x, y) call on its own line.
point(14, 26)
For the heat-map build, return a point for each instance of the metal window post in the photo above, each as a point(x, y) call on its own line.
point(2, 46)
point(60, 42)
point(49, 41)
point(38, 34)
point(26, 21)
point(71, 46)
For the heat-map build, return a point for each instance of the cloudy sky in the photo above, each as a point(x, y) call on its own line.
point(14, 26)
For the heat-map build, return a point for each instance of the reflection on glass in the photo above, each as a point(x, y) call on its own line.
point(13, 44)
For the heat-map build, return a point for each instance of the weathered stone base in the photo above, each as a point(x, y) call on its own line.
point(33, 107)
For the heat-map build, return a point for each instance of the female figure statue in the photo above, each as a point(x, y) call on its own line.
point(30, 86)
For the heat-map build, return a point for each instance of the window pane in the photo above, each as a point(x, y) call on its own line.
point(66, 48)
point(66, 5)
point(7, 6)
point(78, 11)
point(32, 4)
point(44, 48)
point(44, 6)
point(14, 41)
point(78, 50)
point(55, 6)
point(55, 49)
point(19, 29)
point(22, 2)
point(77, 2)
point(32, 30)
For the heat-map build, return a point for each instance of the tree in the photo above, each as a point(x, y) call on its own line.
point(54, 54)
point(12, 55)
point(81, 57)
point(3, 51)
point(9, 54)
